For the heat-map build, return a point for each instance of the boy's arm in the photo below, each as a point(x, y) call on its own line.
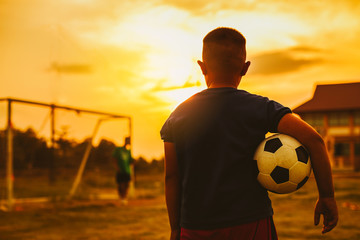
point(172, 189)
point(313, 142)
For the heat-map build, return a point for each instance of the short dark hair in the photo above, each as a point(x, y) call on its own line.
point(224, 50)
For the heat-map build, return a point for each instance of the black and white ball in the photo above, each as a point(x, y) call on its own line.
point(283, 164)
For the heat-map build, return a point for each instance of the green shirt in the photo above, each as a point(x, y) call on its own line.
point(123, 159)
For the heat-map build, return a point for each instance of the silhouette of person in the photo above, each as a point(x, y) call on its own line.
point(210, 139)
point(123, 160)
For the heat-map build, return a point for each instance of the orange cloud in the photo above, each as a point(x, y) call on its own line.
point(284, 61)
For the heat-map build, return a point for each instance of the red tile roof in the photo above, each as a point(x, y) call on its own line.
point(333, 97)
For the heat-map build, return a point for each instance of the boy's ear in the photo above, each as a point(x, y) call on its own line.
point(245, 68)
point(203, 67)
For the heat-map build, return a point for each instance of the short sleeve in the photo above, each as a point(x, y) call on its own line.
point(166, 131)
point(275, 111)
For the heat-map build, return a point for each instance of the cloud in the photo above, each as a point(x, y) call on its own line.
point(75, 68)
point(285, 61)
point(201, 7)
point(187, 84)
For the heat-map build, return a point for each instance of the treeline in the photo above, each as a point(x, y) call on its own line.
point(31, 151)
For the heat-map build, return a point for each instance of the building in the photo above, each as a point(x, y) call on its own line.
point(334, 111)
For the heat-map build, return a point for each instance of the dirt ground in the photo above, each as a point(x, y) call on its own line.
point(96, 219)
point(145, 216)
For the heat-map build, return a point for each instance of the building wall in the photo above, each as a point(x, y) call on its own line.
point(341, 132)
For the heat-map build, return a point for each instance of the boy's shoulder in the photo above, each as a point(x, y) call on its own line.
point(214, 94)
point(252, 95)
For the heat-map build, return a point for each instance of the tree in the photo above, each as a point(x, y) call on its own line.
point(102, 154)
point(26, 145)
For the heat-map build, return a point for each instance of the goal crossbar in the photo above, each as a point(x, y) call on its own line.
point(64, 107)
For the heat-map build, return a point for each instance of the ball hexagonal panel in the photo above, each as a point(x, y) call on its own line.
point(266, 162)
point(280, 174)
point(267, 182)
point(285, 157)
point(299, 171)
point(289, 141)
point(272, 145)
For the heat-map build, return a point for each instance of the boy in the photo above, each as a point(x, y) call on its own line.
point(123, 160)
point(210, 139)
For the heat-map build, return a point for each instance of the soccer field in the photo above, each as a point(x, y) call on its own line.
point(146, 218)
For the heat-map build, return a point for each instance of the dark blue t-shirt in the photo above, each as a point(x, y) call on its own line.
point(215, 133)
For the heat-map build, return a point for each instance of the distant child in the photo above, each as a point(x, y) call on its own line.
point(210, 185)
point(123, 160)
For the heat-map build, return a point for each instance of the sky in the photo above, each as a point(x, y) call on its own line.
point(138, 58)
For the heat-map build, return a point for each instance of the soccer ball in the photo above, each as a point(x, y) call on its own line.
point(283, 164)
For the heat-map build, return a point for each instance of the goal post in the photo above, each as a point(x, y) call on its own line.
point(9, 159)
point(10, 200)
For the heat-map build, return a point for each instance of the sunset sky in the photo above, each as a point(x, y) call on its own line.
point(138, 58)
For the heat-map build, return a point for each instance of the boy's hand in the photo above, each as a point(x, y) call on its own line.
point(327, 207)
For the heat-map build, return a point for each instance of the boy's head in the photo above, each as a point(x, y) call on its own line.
point(224, 53)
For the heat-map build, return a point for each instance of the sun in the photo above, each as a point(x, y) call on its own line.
point(175, 73)
point(178, 96)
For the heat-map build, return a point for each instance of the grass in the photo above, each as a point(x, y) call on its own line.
point(146, 218)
